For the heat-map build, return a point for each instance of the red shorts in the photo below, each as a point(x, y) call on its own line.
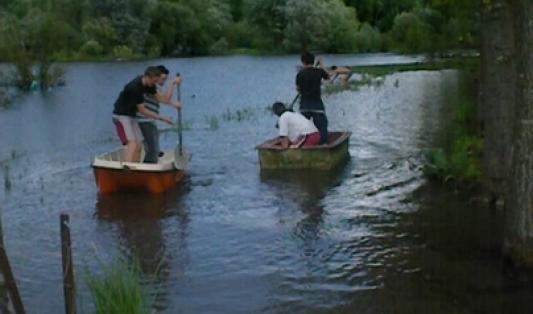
point(312, 139)
point(127, 129)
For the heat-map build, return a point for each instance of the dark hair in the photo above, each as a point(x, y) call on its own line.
point(278, 108)
point(333, 67)
point(307, 58)
point(152, 71)
point(163, 69)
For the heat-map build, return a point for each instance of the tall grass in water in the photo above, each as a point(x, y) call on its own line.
point(118, 290)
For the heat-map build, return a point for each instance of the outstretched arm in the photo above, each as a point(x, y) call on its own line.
point(150, 114)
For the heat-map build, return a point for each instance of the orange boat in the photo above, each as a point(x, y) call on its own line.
point(113, 175)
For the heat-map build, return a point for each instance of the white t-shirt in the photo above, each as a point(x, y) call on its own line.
point(294, 124)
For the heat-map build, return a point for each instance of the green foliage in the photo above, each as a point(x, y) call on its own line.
point(173, 24)
point(411, 33)
point(132, 31)
point(118, 290)
point(38, 31)
point(368, 39)
point(323, 25)
point(92, 48)
point(219, 47)
point(102, 31)
point(269, 20)
point(189, 27)
point(37, 37)
point(459, 33)
point(123, 52)
point(236, 7)
point(462, 163)
point(437, 165)
point(239, 35)
point(381, 13)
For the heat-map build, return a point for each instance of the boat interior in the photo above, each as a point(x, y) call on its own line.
point(115, 160)
point(333, 139)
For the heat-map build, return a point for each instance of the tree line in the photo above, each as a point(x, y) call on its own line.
point(81, 29)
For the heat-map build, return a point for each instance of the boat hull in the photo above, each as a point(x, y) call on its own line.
point(273, 157)
point(125, 180)
point(112, 174)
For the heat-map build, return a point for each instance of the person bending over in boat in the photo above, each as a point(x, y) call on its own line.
point(308, 83)
point(295, 130)
point(343, 73)
point(129, 101)
point(151, 102)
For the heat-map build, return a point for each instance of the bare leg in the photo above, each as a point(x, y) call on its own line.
point(344, 79)
point(137, 155)
point(131, 152)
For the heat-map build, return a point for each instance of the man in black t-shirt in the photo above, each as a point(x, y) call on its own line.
point(131, 100)
point(308, 83)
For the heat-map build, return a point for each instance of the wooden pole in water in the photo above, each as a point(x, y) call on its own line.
point(9, 278)
point(68, 268)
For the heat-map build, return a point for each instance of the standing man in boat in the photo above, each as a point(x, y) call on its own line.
point(308, 83)
point(151, 102)
point(131, 100)
point(295, 130)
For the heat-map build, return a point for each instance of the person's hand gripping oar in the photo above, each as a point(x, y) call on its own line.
point(181, 158)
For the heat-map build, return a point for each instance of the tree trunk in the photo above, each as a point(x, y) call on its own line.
point(519, 215)
point(497, 92)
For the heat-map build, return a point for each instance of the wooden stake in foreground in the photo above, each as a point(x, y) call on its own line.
point(9, 278)
point(68, 267)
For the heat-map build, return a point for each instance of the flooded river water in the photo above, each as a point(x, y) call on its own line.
point(372, 237)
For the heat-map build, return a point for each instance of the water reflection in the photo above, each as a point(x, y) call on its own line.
point(305, 188)
point(140, 219)
point(302, 191)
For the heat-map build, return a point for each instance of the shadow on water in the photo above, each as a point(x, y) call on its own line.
point(140, 219)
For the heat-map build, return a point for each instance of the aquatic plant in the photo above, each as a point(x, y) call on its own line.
point(462, 163)
point(213, 122)
point(7, 178)
point(118, 289)
point(239, 114)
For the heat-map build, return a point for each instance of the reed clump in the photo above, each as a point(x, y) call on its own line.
point(118, 290)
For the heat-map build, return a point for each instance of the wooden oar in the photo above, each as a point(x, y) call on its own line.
point(291, 106)
point(181, 158)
